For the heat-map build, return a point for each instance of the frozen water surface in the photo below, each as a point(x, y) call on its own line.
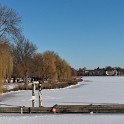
point(96, 90)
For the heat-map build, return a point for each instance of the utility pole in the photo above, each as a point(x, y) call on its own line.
point(33, 94)
point(39, 94)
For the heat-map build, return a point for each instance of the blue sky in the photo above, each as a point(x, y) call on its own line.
point(86, 33)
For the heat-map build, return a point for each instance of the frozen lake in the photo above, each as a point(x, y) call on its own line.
point(96, 90)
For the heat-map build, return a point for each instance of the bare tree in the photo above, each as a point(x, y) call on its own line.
point(64, 70)
point(6, 63)
point(39, 69)
point(9, 22)
point(45, 66)
point(23, 52)
point(23, 49)
point(49, 60)
point(50, 66)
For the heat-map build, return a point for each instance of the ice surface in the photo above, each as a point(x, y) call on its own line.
point(96, 90)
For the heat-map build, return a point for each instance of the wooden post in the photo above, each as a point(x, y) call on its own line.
point(33, 94)
point(40, 95)
point(21, 110)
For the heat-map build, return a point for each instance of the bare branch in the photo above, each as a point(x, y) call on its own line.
point(9, 22)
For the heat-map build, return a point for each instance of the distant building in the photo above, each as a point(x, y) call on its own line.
point(100, 72)
point(111, 73)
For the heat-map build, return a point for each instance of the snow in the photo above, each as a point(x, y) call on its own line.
point(62, 119)
point(95, 90)
point(10, 86)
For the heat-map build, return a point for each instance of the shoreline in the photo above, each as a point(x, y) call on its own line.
point(54, 85)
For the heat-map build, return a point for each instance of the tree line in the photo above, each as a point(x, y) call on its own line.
point(19, 57)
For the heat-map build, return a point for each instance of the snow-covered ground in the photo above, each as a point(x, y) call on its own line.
point(62, 119)
point(96, 90)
